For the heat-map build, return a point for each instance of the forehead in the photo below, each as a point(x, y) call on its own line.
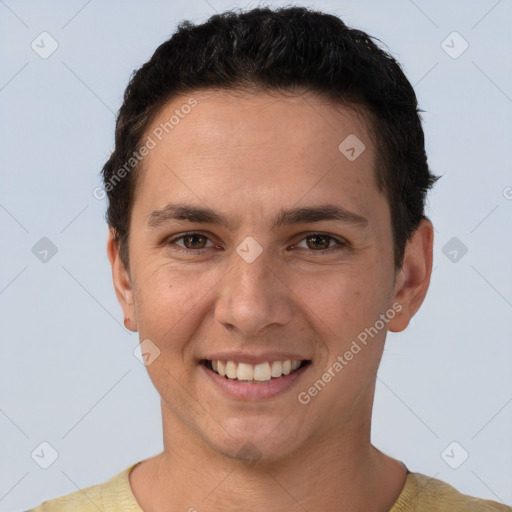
point(219, 119)
point(270, 147)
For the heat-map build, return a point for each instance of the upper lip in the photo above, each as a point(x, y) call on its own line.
point(244, 357)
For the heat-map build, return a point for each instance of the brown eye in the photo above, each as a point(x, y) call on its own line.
point(319, 241)
point(191, 241)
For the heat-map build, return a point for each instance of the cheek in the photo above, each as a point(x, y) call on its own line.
point(345, 314)
point(345, 299)
point(167, 298)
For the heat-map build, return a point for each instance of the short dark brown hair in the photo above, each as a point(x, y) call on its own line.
point(280, 50)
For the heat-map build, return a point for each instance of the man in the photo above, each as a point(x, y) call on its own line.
point(266, 211)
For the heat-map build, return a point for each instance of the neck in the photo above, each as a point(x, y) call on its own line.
point(342, 473)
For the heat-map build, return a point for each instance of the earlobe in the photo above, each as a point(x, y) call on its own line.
point(413, 279)
point(122, 282)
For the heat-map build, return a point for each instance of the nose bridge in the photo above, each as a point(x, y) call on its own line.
point(251, 264)
point(252, 297)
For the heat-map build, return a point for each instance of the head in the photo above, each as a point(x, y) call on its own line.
point(247, 116)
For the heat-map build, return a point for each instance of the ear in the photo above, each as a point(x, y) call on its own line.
point(413, 279)
point(122, 282)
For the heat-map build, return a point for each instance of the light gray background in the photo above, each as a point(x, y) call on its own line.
point(68, 373)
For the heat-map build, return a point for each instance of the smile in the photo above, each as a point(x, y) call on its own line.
point(254, 373)
point(257, 376)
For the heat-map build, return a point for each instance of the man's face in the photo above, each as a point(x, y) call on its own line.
point(255, 291)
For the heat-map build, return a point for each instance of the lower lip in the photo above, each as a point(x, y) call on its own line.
point(254, 391)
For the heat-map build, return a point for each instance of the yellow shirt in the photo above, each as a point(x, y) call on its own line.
point(420, 494)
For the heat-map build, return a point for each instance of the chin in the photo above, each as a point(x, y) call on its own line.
point(258, 444)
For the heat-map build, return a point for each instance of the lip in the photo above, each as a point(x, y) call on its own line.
point(254, 391)
point(241, 357)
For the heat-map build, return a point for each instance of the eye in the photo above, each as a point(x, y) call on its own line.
point(316, 242)
point(192, 241)
point(321, 243)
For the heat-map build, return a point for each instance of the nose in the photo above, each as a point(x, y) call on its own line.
point(254, 296)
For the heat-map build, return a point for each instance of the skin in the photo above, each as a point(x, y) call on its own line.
point(247, 156)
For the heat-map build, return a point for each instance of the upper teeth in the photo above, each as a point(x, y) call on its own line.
point(258, 372)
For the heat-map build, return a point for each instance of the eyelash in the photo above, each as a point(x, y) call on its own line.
point(340, 243)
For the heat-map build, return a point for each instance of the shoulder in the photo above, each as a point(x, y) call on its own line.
point(114, 495)
point(426, 494)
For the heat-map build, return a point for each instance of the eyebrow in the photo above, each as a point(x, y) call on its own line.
point(301, 215)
